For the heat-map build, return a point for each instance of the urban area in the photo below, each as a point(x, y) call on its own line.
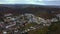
point(24, 23)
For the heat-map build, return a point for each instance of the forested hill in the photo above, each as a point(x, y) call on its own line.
point(28, 8)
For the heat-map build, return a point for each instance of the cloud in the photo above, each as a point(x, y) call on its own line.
point(20, 2)
point(52, 3)
point(38, 2)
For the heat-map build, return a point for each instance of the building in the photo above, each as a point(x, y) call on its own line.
point(58, 16)
point(40, 20)
point(9, 14)
point(54, 20)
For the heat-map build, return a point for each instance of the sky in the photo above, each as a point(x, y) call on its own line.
point(38, 2)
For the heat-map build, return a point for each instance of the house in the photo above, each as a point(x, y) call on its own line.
point(47, 22)
point(2, 24)
point(9, 14)
point(54, 20)
point(58, 16)
point(40, 20)
point(4, 32)
point(30, 17)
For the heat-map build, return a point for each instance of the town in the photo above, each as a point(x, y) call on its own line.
point(23, 23)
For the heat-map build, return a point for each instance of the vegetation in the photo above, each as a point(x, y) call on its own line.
point(53, 29)
point(40, 31)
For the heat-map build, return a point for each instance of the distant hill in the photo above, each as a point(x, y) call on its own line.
point(43, 11)
point(28, 5)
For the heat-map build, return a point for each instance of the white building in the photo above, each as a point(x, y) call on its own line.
point(58, 16)
point(40, 20)
point(4, 32)
point(54, 20)
point(9, 14)
point(30, 17)
point(47, 23)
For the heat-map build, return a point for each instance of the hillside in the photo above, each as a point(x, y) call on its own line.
point(39, 10)
point(46, 12)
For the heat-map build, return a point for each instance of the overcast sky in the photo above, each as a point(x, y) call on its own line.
point(39, 2)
